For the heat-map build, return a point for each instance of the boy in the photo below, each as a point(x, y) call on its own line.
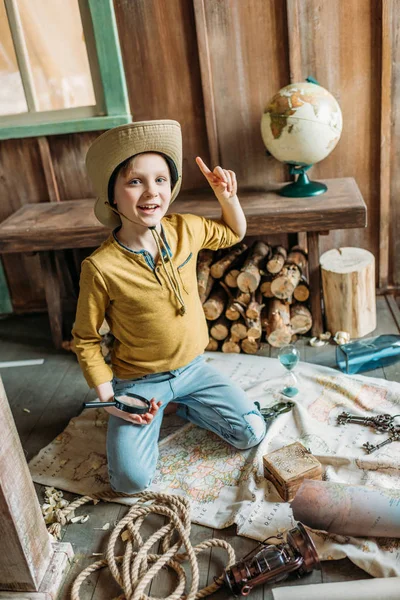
point(142, 279)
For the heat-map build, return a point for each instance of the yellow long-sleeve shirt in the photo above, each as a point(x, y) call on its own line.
point(140, 306)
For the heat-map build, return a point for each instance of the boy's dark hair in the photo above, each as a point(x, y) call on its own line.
point(123, 167)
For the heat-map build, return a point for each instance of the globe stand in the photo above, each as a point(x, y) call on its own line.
point(302, 187)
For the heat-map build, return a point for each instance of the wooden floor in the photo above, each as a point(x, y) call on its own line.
point(54, 392)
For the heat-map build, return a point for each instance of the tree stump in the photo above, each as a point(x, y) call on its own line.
point(348, 283)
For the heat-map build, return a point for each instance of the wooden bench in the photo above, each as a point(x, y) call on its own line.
point(51, 226)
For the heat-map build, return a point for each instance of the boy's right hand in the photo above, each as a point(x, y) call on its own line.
point(145, 419)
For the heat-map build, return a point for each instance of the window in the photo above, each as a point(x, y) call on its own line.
point(60, 68)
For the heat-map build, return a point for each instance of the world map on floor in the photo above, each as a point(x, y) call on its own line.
point(227, 486)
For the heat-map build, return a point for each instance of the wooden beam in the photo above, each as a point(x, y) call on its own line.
point(53, 295)
point(294, 37)
point(72, 223)
point(315, 282)
point(207, 80)
point(386, 117)
point(395, 310)
point(25, 544)
point(295, 66)
point(48, 168)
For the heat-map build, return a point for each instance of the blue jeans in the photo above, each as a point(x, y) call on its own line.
point(204, 397)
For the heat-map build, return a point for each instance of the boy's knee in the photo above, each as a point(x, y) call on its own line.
point(252, 432)
point(130, 484)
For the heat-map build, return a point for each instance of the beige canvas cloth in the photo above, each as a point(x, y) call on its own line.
point(226, 486)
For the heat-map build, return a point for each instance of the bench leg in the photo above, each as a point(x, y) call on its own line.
point(315, 282)
point(53, 295)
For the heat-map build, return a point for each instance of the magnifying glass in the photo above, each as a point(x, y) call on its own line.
point(130, 403)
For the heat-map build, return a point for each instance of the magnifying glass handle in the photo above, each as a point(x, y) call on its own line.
point(98, 404)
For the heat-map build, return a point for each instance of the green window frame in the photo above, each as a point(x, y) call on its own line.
point(104, 53)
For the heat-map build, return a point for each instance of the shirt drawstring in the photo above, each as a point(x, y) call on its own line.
point(173, 283)
point(157, 238)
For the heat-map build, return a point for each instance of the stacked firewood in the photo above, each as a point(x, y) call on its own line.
point(255, 294)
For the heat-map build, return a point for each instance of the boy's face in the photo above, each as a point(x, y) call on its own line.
point(143, 191)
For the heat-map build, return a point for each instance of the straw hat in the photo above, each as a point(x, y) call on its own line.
point(118, 144)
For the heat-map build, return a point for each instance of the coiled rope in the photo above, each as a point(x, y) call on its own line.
point(136, 568)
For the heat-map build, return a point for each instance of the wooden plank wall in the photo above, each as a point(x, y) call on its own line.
point(213, 65)
point(394, 208)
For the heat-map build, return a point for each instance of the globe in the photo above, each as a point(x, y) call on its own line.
point(300, 126)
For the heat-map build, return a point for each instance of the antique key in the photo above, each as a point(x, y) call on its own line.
point(271, 412)
point(381, 422)
point(394, 437)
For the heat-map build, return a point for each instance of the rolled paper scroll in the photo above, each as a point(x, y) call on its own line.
point(348, 509)
point(367, 589)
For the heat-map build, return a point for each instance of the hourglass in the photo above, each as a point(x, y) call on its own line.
point(289, 356)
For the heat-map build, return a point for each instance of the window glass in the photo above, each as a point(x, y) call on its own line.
point(12, 96)
point(57, 53)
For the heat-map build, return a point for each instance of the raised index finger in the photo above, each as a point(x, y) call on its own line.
point(203, 167)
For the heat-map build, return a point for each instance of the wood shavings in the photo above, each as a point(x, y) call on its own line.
point(321, 340)
point(75, 519)
point(104, 528)
point(26, 410)
point(341, 337)
point(79, 519)
point(97, 554)
point(54, 501)
point(325, 336)
point(316, 342)
point(125, 535)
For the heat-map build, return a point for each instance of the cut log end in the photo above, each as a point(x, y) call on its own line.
point(248, 281)
point(231, 346)
point(250, 345)
point(300, 319)
point(231, 278)
point(212, 345)
point(279, 330)
point(301, 292)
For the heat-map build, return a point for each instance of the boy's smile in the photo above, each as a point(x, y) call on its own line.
point(143, 192)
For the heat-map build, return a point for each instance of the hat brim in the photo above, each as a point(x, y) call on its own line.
point(117, 145)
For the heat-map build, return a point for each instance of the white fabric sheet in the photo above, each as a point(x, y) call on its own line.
point(227, 486)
